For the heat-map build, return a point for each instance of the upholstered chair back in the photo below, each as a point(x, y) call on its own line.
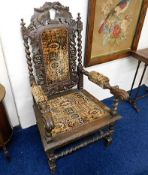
point(55, 45)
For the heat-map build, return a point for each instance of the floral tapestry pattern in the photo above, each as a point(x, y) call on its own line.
point(55, 52)
point(74, 110)
point(116, 22)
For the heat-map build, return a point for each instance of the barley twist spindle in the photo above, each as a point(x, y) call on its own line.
point(29, 60)
point(79, 29)
point(115, 106)
point(79, 45)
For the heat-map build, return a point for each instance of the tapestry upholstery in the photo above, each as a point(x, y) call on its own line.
point(38, 94)
point(54, 44)
point(73, 110)
point(98, 78)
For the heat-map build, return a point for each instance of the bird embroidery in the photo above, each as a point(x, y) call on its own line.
point(119, 8)
point(117, 20)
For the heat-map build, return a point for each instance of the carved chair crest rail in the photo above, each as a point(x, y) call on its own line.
point(65, 112)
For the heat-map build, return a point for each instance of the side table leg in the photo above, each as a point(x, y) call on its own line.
point(133, 101)
point(141, 81)
point(139, 62)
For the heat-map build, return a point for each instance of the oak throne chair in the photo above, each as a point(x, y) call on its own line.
point(65, 112)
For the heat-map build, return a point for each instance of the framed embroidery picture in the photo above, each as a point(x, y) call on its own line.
point(113, 29)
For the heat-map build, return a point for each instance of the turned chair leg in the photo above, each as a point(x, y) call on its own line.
point(52, 162)
point(7, 155)
point(108, 140)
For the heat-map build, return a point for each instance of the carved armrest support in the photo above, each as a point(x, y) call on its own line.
point(119, 93)
point(47, 116)
point(48, 124)
point(41, 99)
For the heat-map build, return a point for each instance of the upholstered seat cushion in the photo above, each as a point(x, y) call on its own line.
point(75, 109)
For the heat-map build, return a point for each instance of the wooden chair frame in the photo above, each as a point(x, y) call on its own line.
point(89, 133)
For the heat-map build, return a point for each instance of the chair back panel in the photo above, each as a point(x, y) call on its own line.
point(54, 43)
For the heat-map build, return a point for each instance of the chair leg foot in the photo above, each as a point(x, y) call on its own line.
point(52, 162)
point(7, 155)
point(108, 140)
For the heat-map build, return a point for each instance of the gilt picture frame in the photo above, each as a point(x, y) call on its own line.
point(113, 29)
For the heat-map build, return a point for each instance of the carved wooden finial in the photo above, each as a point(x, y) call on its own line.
point(79, 22)
point(79, 17)
point(23, 27)
point(22, 22)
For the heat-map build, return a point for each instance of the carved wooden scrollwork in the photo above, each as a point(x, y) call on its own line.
point(41, 21)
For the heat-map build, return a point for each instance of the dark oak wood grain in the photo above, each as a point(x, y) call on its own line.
point(63, 143)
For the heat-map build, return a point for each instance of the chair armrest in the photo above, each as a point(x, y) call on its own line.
point(41, 100)
point(38, 94)
point(103, 82)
